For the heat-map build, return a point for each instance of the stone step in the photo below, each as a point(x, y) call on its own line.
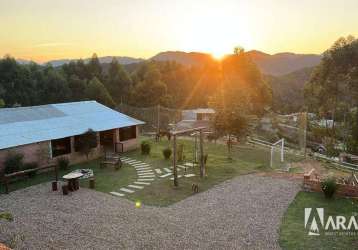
point(145, 172)
point(189, 175)
point(145, 179)
point(165, 175)
point(142, 168)
point(142, 174)
point(135, 186)
point(142, 183)
point(127, 190)
point(117, 194)
point(158, 171)
point(146, 176)
point(167, 170)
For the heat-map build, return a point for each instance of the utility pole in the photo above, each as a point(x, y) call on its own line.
point(202, 167)
point(305, 132)
point(158, 119)
point(175, 173)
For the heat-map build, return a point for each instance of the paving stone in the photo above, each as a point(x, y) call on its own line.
point(158, 171)
point(167, 170)
point(117, 194)
point(135, 186)
point(127, 190)
point(189, 175)
point(142, 168)
point(145, 172)
point(165, 175)
point(145, 179)
point(142, 183)
point(146, 176)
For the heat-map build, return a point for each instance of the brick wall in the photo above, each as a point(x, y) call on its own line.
point(312, 184)
point(36, 152)
point(39, 152)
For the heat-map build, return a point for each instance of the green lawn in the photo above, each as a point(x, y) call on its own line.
point(162, 192)
point(245, 160)
point(107, 179)
point(293, 235)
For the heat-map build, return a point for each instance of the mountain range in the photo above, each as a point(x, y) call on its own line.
point(275, 65)
point(106, 59)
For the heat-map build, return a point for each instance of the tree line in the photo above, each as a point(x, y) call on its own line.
point(144, 84)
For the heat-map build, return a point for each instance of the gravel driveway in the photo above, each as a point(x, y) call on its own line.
point(243, 213)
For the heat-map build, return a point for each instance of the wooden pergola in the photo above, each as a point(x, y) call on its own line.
point(175, 133)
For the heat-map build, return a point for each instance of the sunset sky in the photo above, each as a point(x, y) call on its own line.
point(43, 30)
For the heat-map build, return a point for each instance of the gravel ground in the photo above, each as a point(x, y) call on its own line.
point(243, 213)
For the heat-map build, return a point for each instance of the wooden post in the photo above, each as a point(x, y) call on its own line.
point(56, 172)
point(6, 185)
point(202, 168)
point(175, 173)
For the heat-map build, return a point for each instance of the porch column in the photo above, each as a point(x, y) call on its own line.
point(72, 138)
point(98, 140)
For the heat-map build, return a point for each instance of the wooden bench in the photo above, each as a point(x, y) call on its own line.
point(113, 160)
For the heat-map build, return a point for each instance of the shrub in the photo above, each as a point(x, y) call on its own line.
point(329, 187)
point(13, 163)
point(6, 216)
point(145, 147)
point(63, 163)
point(167, 152)
point(31, 165)
point(85, 142)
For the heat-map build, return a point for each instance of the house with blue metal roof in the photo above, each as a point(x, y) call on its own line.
point(44, 133)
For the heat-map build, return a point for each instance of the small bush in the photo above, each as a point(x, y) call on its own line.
point(63, 163)
point(31, 165)
point(13, 163)
point(329, 187)
point(6, 216)
point(145, 147)
point(167, 152)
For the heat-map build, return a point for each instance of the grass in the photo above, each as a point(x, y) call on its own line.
point(219, 168)
point(293, 235)
point(107, 179)
point(244, 160)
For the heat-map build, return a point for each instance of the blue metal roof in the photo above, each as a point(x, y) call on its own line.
point(25, 125)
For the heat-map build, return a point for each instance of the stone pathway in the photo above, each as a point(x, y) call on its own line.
point(145, 177)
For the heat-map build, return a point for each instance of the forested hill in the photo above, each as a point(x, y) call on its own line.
point(283, 63)
point(288, 90)
point(277, 65)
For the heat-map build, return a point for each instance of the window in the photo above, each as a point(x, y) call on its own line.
point(128, 133)
point(61, 146)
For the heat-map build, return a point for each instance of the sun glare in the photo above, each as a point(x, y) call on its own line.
point(218, 55)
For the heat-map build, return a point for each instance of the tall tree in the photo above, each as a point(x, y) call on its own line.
point(151, 90)
point(94, 68)
point(97, 91)
point(118, 83)
point(334, 82)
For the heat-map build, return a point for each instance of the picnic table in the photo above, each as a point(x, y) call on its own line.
point(72, 179)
